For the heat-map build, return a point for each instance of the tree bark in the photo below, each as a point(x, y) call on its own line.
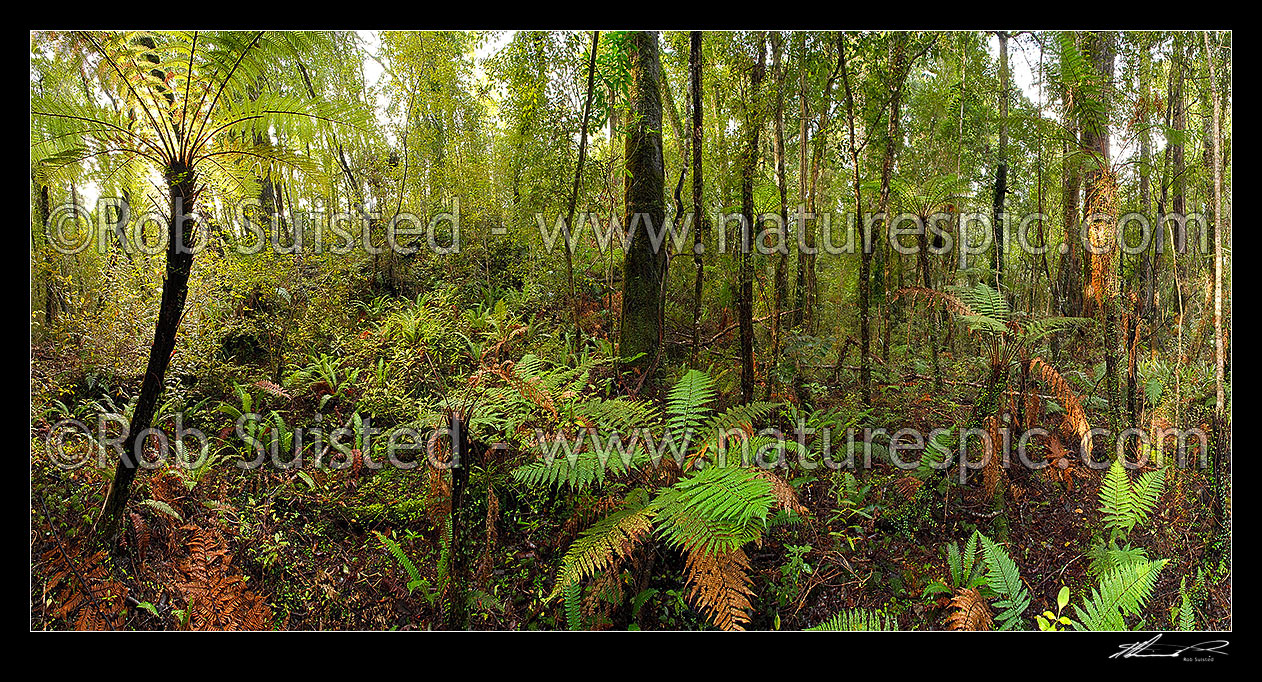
point(644, 266)
point(698, 209)
point(578, 177)
point(1001, 168)
point(781, 284)
point(182, 196)
point(745, 295)
point(865, 246)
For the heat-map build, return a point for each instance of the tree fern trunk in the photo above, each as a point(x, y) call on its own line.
point(179, 265)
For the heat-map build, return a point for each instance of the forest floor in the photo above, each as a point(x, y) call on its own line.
point(272, 548)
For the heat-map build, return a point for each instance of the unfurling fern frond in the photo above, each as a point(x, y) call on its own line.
point(720, 585)
point(856, 620)
point(609, 539)
point(969, 611)
point(1004, 578)
point(1122, 592)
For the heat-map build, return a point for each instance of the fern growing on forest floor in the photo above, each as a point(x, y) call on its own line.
point(710, 513)
point(1124, 505)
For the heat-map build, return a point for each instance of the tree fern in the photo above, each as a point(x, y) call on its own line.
point(610, 538)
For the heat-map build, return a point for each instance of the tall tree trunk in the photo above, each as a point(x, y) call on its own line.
point(182, 196)
point(578, 177)
point(749, 160)
point(1070, 275)
point(1178, 179)
point(1099, 218)
point(865, 246)
point(1001, 168)
point(896, 65)
point(698, 209)
point(781, 285)
point(799, 314)
point(1220, 404)
point(819, 145)
point(644, 266)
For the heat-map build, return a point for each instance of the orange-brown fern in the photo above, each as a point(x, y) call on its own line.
point(720, 586)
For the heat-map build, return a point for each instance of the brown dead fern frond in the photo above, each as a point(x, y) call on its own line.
point(950, 301)
point(969, 611)
point(216, 598)
point(1075, 416)
point(720, 585)
point(786, 496)
point(907, 486)
point(89, 596)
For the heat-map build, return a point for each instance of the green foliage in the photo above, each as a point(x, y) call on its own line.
point(612, 537)
point(1125, 505)
point(1121, 592)
point(1003, 576)
point(856, 620)
point(415, 580)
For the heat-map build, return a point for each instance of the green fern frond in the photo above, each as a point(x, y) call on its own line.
point(1116, 505)
point(414, 576)
point(610, 538)
point(1107, 557)
point(856, 620)
point(684, 527)
point(573, 600)
point(1004, 578)
point(688, 403)
point(1145, 494)
point(1121, 592)
point(727, 493)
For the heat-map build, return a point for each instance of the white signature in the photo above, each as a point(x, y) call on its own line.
point(1151, 649)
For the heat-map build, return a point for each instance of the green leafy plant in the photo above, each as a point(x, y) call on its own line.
point(856, 620)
